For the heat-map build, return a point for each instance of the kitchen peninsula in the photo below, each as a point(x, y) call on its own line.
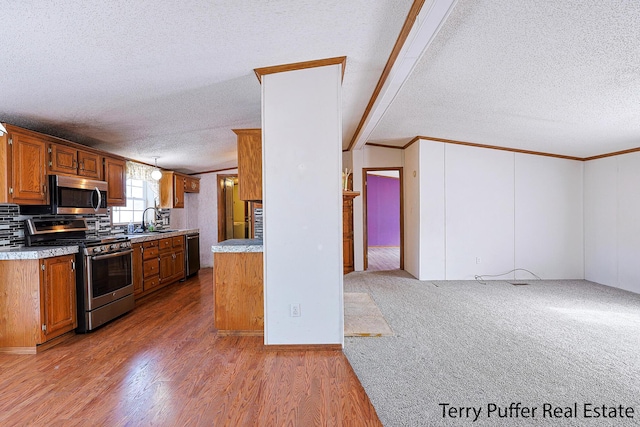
point(238, 287)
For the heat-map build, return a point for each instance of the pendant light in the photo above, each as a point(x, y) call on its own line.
point(156, 174)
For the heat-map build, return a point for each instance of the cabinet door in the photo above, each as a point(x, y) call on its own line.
point(178, 265)
point(63, 160)
point(28, 170)
point(166, 267)
point(192, 185)
point(115, 173)
point(249, 164)
point(137, 268)
point(59, 299)
point(178, 186)
point(90, 165)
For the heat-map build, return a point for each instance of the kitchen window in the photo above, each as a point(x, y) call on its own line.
point(142, 192)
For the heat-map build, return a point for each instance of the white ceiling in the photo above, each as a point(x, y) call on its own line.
point(171, 79)
point(560, 77)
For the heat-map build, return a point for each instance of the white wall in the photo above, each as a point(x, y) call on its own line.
point(368, 157)
point(600, 220)
point(201, 211)
point(549, 217)
point(510, 210)
point(412, 223)
point(479, 211)
point(612, 229)
point(302, 145)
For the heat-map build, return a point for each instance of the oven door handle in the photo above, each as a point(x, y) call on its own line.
point(97, 190)
point(99, 257)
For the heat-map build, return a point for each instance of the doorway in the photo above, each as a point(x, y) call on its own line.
point(235, 216)
point(383, 216)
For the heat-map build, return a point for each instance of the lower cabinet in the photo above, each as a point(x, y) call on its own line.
point(157, 263)
point(171, 259)
point(238, 293)
point(39, 302)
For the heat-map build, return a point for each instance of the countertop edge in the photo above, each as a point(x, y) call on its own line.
point(41, 252)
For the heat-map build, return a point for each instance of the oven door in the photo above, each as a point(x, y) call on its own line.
point(108, 278)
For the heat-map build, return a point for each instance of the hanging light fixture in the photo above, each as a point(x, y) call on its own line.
point(156, 174)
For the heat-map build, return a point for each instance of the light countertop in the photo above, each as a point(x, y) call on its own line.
point(238, 245)
point(154, 235)
point(36, 252)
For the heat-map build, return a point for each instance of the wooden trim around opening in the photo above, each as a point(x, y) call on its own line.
point(222, 205)
point(304, 347)
point(373, 144)
point(338, 60)
point(402, 38)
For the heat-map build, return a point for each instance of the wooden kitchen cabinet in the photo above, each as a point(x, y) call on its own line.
point(115, 173)
point(249, 164)
point(23, 167)
point(59, 284)
point(238, 293)
point(172, 185)
point(171, 251)
point(192, 185)
point(39, 303)
point(71, 161)
point(146, 268)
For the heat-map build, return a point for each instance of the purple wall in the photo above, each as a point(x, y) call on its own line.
point(383, 210)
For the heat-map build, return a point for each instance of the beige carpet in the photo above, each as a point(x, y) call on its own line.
point(362, 317)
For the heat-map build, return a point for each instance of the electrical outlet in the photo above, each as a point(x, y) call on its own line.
point(478, 260)
point(295, 310)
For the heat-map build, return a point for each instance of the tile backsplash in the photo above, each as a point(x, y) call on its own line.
point(12, 224)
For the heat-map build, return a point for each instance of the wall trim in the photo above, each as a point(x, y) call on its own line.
point(615, 153)
point(514, 150)
point(214, 171)
point(338, 60)
point(492, 147)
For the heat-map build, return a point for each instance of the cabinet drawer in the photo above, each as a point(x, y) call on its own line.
point(150, 267)
point(151, 282)
point(178, 242)
point(150, 253)
point(165, 244)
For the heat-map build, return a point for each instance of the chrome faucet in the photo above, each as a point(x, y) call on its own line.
point(143, 225)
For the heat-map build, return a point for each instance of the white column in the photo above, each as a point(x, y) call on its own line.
point(302, 155)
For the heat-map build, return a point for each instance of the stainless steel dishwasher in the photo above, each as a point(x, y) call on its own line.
point(192, 258)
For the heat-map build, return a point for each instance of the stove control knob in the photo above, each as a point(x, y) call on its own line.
point(104, 248)
point(96, 250)
point(123, 245)
point(114, 246)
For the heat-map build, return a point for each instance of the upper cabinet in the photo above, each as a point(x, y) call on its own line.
point(249, 164)
point(23, 171)
point(192, 185)
point(71, 161)
point(115, 173)
point(172, 186)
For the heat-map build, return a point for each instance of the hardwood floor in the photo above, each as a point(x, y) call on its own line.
point(383, 258)
point(163, 364)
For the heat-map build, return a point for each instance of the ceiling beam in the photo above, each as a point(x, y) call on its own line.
point(419, 30)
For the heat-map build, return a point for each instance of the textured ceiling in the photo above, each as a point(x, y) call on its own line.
point(171, 79)
point(555, 76)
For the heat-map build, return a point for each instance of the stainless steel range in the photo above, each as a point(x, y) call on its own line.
point(104, 281)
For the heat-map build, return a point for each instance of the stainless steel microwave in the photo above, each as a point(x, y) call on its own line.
point(72, 195)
